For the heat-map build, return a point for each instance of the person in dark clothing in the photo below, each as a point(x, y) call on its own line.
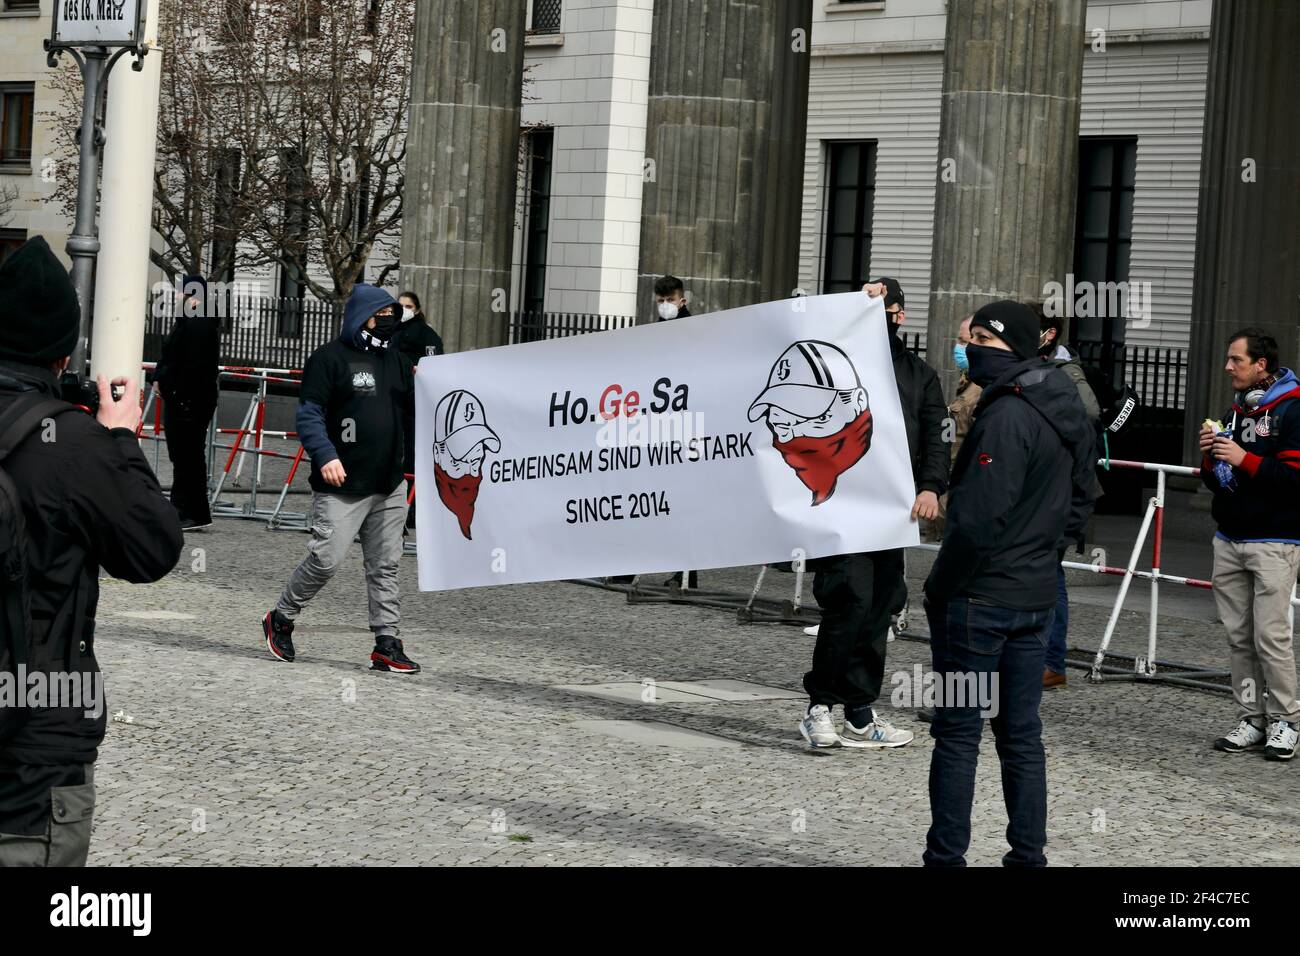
point(670, 303)
point(670, 299)
point(354, 392)
point(1021, 485)
point(858, 593)
point(186, 380)
point(415, 339)
point(90, 502)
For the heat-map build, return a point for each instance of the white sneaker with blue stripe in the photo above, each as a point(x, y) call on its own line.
point(878, 733)
point(818, 728)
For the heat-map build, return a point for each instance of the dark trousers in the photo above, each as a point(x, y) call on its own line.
point(856, 592)
point(45, 814)
point(998, 651)
point(186, 428)
point(408, 463)
point(1056, 639)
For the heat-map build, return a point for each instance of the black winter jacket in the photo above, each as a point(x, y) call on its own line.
point(924, 413)
point(187, 371)
point(90, 501)
point(415, 339)
point(1023, 482)
point(1265, 505)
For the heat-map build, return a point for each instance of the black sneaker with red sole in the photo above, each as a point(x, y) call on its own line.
point(278, 631)
point(389, 656)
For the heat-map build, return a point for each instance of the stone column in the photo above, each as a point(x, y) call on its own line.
point(1248, 214)
point(1008, 159)
point(728, 112)
point(462, 165)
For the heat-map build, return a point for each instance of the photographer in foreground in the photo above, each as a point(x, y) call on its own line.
point(86, 500)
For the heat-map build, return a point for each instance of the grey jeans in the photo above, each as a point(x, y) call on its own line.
point(336, 520)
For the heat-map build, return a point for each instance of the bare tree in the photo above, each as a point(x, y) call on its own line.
point(340, 98)
point(281, 136)
point(8, 196)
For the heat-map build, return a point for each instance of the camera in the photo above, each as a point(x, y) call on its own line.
point(77, 390)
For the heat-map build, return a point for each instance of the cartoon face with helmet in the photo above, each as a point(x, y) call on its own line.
point(818, 413)
point(461, 440)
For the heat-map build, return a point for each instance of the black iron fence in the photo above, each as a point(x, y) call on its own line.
point(535, 326)
point(260, 331)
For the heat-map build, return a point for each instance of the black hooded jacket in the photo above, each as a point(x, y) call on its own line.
point(90, 502)
point(1022, 485)
point(187, 371)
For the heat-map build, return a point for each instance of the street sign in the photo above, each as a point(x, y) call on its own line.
point(98, 23)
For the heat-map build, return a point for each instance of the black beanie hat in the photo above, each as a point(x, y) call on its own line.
point(40, 317)
point(893, 292)
point(1013, 323)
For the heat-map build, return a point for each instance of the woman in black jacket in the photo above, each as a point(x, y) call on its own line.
point(416, 339)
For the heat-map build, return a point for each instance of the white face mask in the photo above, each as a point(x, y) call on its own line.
point(407, 314)
point(668, 310)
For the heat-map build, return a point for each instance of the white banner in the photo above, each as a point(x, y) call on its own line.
point(95, 22)
point(751, 436)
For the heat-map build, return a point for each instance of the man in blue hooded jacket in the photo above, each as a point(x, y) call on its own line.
point(354, 390)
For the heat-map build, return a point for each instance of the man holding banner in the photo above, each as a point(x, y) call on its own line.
point(859, 593)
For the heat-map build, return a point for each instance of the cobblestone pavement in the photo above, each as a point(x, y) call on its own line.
point(231, 758)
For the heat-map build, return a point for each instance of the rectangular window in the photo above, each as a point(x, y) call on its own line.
point(850, 199)
point(10, 240)
point(22, 4)
point(537, 227)
point(544, 16)
point(237, 25)
point(293, 264)
point(1102, 240)
point(224, 228)
point(307, 20)
point(17, 103)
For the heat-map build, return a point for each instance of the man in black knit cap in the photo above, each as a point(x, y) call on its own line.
point(88, 501)
point(1022, 482)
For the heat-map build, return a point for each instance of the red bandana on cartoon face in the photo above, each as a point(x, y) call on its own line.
point(819, 462)
point(459, 495)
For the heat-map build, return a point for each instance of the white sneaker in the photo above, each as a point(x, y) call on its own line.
point(878, 733)
point(902, 621)
point(1246, 737)
point(812, 631)
point(1281, 741)
point(817, 727)
point(891, 636)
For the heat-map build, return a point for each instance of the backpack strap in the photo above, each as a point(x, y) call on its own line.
point(24, 415)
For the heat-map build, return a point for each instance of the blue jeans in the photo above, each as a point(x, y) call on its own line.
point(1000, 650)
point(1060, 626)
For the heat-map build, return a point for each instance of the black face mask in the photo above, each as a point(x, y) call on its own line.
point(385, 326)
point(987, 364)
